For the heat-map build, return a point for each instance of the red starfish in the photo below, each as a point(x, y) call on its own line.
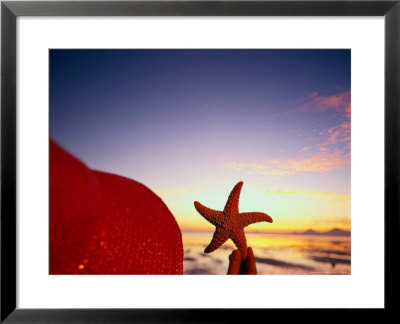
point(229, 223)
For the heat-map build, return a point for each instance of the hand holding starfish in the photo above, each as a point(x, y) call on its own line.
point(239, 266)
point(229, 223)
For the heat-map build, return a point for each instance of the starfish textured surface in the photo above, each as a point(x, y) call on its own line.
point(230, 223)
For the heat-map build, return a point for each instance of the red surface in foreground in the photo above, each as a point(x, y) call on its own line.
point(102, 223)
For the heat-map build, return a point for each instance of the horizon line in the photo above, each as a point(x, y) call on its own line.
point(293, 232)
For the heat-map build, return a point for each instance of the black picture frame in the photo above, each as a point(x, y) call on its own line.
point(10, 10)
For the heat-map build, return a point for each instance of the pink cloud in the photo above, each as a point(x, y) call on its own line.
point(337, 134)
point(331, 152)
point(321, 162)
point(315, 102)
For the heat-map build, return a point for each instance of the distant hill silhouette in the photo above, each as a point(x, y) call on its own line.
point(310, 232)
point(332, 232)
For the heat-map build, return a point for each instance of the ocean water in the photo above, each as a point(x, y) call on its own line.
point(274, 253)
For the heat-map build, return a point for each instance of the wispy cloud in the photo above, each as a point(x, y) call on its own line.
point(313, 193)
point(316, 102)
point(341, 222)
point(331, 150)
point(337, 134)
point(321, 162)
point(305, 148)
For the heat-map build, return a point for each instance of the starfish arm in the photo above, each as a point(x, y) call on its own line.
point(232, 205)
point(239, 239)
point(213, 216)
point(219, 238)
point(253, 217)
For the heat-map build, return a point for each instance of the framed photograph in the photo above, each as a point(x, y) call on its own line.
point(162, 158)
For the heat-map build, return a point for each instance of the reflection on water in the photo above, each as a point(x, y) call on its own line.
point(275, 254)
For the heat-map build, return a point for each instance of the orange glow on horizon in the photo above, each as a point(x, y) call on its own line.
point(291, 210)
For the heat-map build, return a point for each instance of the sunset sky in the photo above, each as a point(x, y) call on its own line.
point(190, 124)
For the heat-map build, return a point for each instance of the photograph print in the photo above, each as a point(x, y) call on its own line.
point(199, 162)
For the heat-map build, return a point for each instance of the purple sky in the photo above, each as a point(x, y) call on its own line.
point(191, 122)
